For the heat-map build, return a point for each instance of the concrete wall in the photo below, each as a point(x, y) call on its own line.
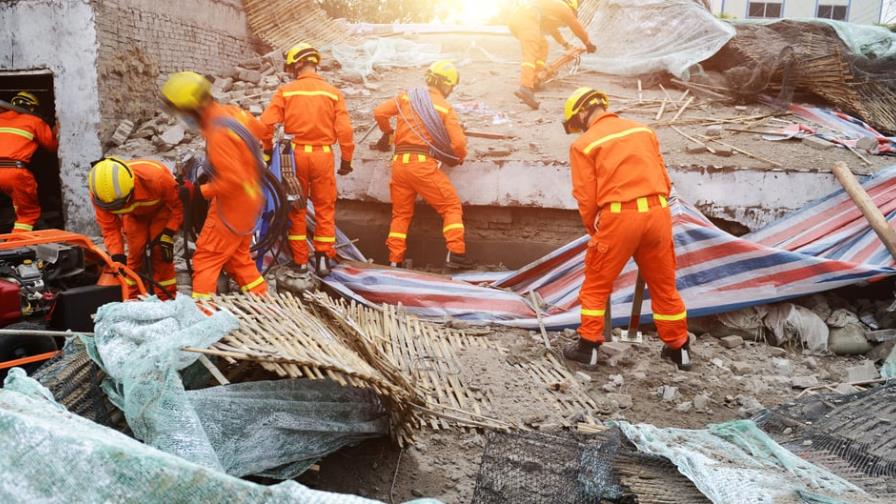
point(142, 41)
point(858, 11)
point(710, 189)
point(59, 36)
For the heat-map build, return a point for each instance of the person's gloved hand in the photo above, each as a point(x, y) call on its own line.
point(345, 167)
point(384, 144)
point(566, 46)
point(120, 258)
point(165, 242)
point(185, 190)
point(591, 48)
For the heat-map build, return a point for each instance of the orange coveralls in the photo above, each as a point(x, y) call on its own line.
point(154, 207)
point(236, 199)
point(314, 113)
point(530, 23)
point(20, 135)
point(415, 171)
point(621, 184)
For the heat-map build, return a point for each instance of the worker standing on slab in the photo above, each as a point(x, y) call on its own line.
point(136, 203)
point(20, 136)
point(530, 24)
point(234, 189)
point(427, 129)
point(314, 114)
point(622, 188)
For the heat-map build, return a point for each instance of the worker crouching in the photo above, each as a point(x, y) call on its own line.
point(234, 189)
point(137, 204)
point(427, 129)
point(20, 136)
point(315, 115)
point(622, 188)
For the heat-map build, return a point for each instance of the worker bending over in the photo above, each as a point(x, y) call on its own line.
point(425, 115)
point(530, 24)
point(20, 136)
point(136, 203)
point(314, 114)
point(622, 188)
point(234, 154)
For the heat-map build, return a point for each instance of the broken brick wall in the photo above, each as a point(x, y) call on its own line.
point(142, 41)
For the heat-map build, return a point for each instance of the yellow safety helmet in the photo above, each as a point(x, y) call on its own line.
point(581, 99)
point(25, 100)
point(443, 72)
point(301, 53)
point(186, 91)
point(573, 4)
point(111, 183)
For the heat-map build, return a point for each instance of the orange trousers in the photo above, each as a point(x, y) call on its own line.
point(526, 27)
point(646, 235)
point(19, 184)
point(414, 174)
point(316, 173)
point(139, 231)
point(220, 248)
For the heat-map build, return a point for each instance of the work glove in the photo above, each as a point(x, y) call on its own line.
point(345, 167)
point(165, 241)
point(566, 46)
point(591, 48)
point(120, 258)
point(384, 144)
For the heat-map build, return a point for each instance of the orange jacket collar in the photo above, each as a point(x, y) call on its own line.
point(310, 75)
point(600, 116)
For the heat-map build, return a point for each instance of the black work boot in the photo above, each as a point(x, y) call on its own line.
point(527, 96)
point(459, 261)
point(583, 352)
point(681, 357)
point(321, 264)
point(301, 269)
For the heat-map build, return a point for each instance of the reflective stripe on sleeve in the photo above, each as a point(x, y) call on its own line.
point(19, 132)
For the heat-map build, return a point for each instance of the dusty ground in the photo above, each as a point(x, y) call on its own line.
point(735, 383)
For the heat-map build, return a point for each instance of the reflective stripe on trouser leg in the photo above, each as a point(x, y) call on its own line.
point(403, 197)
point(297, 237)
point(656, 259)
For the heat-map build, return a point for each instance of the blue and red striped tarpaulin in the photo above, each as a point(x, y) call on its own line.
point(824, 246)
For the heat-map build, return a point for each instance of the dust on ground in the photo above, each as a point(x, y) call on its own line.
point(725, 384)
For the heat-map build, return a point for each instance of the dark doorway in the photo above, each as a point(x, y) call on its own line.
point(44, 165)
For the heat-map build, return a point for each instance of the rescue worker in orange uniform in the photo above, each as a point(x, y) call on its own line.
point(530, 24)
point(622, 188)
point(314, 114)
point(234, 153)
point(20, 136)
point(136, 202)
point(416, 171)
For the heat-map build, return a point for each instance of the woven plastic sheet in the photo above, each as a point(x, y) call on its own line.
point(53, 456)
point(737, 462)
point(671, 36)
point(361, 59)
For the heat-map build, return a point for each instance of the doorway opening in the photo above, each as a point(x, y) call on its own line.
point(44, 165)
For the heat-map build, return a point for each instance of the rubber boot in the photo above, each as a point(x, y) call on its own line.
point(321, 264)
point(459, 261)
point(681, 357)
point(583, 352)
point(527, 96)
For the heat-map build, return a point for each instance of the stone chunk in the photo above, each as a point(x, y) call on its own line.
point(867, 143)
point(782, 366)
point(849, 340)
point(714, 130)
point(740, 368)
point(695, 148)
point(623, 401)
point(803, 382)
point(222, 84)
point(723, 150)
point(614, 348)
point(701, 402)
point(817, 143)
point(173, 135)
point(732, 341)
point(251, 76)
point(866, 371)
point(256, 109)
point(668, 393)
point(122, 132)
point(583, 377)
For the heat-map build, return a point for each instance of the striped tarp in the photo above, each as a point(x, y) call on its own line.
point(825, 246)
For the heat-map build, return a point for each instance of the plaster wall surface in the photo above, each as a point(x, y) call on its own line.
point(752, 197)
point(58, 36)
